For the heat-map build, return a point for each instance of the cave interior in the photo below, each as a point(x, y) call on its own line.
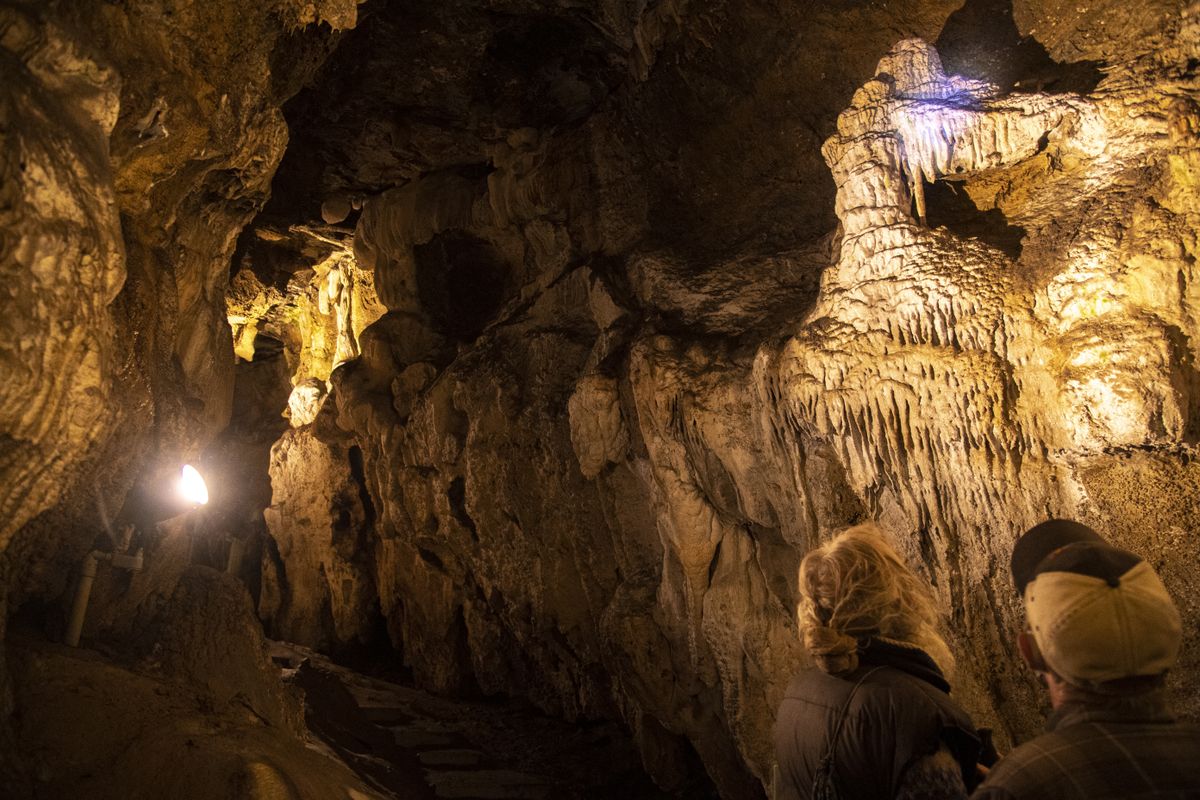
point(524, 347)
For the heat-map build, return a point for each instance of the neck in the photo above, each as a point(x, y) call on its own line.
point(1144, 696)
point(1058, 689)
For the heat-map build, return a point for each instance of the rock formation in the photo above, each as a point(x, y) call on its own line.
point(588, 323)
point(968, 389)
point(205, 717)
point(138, 139)
point(626, 466)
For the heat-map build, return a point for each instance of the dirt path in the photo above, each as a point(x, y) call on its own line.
point(410, 744)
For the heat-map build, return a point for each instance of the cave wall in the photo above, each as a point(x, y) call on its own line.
point(637, 304)
point(138, 142)
point(969, 391)
point(138, 139)
point(599, 501)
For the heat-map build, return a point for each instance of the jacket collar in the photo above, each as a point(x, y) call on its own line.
point(1149, 706)
point(875, 652)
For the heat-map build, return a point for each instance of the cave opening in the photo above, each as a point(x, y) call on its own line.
point(981, 40)
point(461, 283)
point(527, 349)
point(949, 204)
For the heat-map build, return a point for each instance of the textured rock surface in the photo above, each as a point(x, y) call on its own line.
point(137, 140)
point(207, 636)
point(598, 497)
point(963, 387)
point(131, 734)
point(588, 337)
point(317, 588)
point(63, 262)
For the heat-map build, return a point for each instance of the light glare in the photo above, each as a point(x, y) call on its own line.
point(191, 486)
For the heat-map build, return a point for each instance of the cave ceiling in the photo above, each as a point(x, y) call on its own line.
point(678, 118)
point(685, 117)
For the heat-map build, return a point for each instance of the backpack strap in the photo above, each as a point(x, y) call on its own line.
point(823, 788)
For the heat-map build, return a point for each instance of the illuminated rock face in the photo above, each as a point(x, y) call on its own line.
point(605, 512)
point(316, 320)
point(63, 264)
point(137, 143)
point(967, 391)
point(136, 140)
point(316, 590)
point(316, 585)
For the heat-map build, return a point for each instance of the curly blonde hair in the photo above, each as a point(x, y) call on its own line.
point(856, 586)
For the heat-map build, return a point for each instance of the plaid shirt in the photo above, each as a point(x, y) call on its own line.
point(1130, 748)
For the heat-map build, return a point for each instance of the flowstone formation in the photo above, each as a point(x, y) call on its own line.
point(58, 110)
point(967, 389)
point(314, 584)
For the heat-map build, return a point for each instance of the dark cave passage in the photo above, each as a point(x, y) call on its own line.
point(948, 204)
point(460, 283)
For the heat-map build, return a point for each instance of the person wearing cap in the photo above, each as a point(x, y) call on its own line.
point(873, 718)
point(1101, 632)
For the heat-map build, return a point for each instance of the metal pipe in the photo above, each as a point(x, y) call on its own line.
point(87, 575)
point(237, 548)
point(82, 594)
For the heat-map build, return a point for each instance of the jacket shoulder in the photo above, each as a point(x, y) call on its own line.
point(1099, 760)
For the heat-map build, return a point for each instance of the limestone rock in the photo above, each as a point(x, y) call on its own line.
point(304, 403)
point(317, 588)
point(148, 134)
point(137, 140)
point(338, 14)
point(63, 262)
point(208, 636)
point(1100, 31)
point(619, 473)
point(600, 338)
point(134, 734)
point(598, 431)
point(964, 385)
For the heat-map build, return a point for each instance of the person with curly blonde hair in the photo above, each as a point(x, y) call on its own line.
point(873, 717)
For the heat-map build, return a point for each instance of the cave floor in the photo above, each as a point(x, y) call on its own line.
point(93, 724)
point(388, 733)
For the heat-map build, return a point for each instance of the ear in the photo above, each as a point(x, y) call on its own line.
point(1031, 654)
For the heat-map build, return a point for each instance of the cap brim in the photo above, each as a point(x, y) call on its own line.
point(1042, 540)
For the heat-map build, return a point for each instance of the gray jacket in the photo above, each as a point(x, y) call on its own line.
point(900, 714)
